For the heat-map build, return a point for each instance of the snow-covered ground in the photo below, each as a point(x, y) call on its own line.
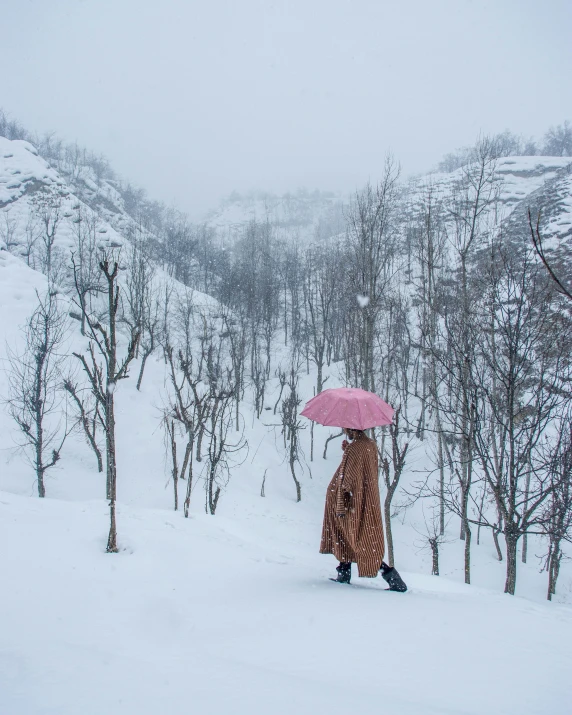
point(235, 613)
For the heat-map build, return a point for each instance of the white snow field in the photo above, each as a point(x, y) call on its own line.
point(234, 614)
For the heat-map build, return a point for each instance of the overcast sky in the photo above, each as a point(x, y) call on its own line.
point(194, 98)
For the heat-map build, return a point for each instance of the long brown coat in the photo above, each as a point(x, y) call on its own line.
point(357, 536)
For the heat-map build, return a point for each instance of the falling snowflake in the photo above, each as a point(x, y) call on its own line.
point(363, 300)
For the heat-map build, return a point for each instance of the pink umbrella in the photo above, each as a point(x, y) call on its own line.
point(348, 407)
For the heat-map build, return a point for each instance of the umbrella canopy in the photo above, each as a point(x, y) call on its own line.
point(348, 407)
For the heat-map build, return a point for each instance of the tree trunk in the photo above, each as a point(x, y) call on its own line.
point(467, 552)
point(511, 560)
point(213, 499)
point(388, 532)
point(435, 554)
point(312, 442)
point(496, 532)
point(554, 558)
point(441, 481)
point(200, 443)
point(525, 535)
point(112, 539)
point(111, 467)
point(143, 361)
point(296, 482)
point(175, 467)
point(189, 480)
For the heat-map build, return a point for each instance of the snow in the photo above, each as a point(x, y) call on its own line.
point(20, 165)
point(210, 616)
point(235, 613)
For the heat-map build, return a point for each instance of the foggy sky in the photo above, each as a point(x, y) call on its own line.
point(194, 98)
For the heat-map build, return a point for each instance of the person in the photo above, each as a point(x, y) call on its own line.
point(353, 529)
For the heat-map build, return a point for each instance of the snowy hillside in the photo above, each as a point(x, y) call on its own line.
point(307, 216)
point(235, 612)
point(302, 215)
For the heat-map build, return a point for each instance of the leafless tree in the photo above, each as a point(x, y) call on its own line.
point(32, 234)
point(519, 383)
point(87, 277)
point(104, 370)
point(35, 381)
point(371, 245)
point(219, 446)
point(558, 140)
point(558, 508)
point(431, 536)
point(150, 327)
point(292, 425)
point(320, 288)
point(8, 225)
point(47, 206)
point(189, 407)
point(429, 250)
point(88, 416)
point(236, 330)
point(392, 463)
point(138, 291)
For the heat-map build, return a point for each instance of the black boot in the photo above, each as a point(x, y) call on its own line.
point(394, 580)
point(344, 572)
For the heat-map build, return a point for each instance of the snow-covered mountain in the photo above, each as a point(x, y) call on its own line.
point(300, 216)
point(523, 181)
point(235, 613)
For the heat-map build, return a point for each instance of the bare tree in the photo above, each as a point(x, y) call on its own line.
point(188, 406)
point(138, 285)
point(431, 536)
point(105, 373)
point(88, 416)
point(558, 508)
point(47, 206)
point(219, 446)
point(392, 466)
point(87, 277)
point(292, 425)
point(35, 379)
point(518, 386)
point(8, 225)
point(320, 288)
point(150, 328)
point(371, 250)
point(32, 234)
point(558, 140)
point(236, 330)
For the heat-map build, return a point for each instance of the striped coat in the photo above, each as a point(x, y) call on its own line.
point(357, 535)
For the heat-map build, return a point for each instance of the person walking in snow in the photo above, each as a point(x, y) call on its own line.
point(353, 529)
